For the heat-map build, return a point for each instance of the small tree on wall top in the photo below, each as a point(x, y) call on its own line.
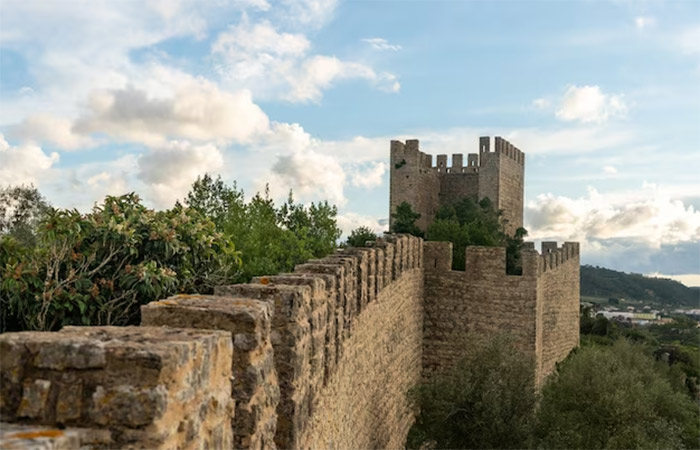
point(359, 237)
point(405, 220)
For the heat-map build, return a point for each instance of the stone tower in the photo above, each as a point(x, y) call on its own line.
point(498, 175)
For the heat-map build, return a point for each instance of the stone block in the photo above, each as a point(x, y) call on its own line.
point(129, 382)
point(255, 386)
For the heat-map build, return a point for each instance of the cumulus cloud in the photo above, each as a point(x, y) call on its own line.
point(306, 14)
point(610, 170)
point(647, 216)
point(381, 44)
point(311, 175)
point(23, 164)
point(59, 131)
point(589, 104)
point(349, 221)
point(169, 171)
point(275, 64)
point(369, 177)
point(196, 109)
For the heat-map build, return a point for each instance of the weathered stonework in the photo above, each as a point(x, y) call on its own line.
point(539, 308)
point(255, 388)
point(141, 387)
point(319, 358)
point(498, 175)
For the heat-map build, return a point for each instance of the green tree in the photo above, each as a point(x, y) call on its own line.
point(486, 401)
point(405, 220)
point(271, 239)
point(213, 199)
point(98, 268)
point(22, 208)
point(359, 237)
point(615, 397)
point(468, 223)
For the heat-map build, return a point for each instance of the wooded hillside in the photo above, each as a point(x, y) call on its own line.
point(602, 282)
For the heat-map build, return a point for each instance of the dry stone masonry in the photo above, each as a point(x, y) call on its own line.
point(319, 358)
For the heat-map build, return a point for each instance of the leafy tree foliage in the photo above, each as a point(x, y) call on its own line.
point(486, 401)
point(271, 239)
point(98, 268)
point(676, 343)
point(405, 220)
point(612, 396)
point(359, 237)
point(470, 223)
point(21, 210)
point(615, 397)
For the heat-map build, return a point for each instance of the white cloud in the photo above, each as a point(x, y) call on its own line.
point(647, 216)
point(24, 164)
point(589, 104)
point(642, 22)
point(278, 65)
point(170, 170)
point(688, 40)
point(370, 177)
point(59, 131)
point(195, 109)
point(541, 103)
point(349, 221)
point(689, 279)
point(306, 13)
point(381, 44)
point(311, 175)
point(609, 170)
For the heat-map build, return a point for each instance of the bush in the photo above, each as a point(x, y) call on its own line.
point(486, 401)
point(615, 397)
point(359, 237)
point(98, 268)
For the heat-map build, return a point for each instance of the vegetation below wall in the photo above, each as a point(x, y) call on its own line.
point(615, 396)
point(607, 283)
point(677, 343)
point(60, 267)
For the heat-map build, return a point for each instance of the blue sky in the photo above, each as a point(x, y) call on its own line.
point(106, 97)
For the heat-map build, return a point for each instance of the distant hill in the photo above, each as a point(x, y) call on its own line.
point(602, 282)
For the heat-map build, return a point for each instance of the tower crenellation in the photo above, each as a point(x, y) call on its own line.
point(497, 175)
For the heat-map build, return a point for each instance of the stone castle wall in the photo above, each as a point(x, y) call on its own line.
point(558, 293)
point(498, 175)
point(413, 180)
point(322, 357)
point(538, 308)
point(319, 358)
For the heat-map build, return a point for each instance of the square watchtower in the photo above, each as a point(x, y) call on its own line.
point(498, 175)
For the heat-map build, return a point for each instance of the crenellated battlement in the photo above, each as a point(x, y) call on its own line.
point(318, 358)
point(539, 307)
point(490, 262)
point(497, 174)
point(410, 151)
point(553, 256)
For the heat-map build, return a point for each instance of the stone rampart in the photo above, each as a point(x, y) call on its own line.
point(497, 174)
point(319, 358)
point(139, 387)
point(539, 308)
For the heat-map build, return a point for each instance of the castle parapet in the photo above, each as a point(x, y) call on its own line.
point(554, 256)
